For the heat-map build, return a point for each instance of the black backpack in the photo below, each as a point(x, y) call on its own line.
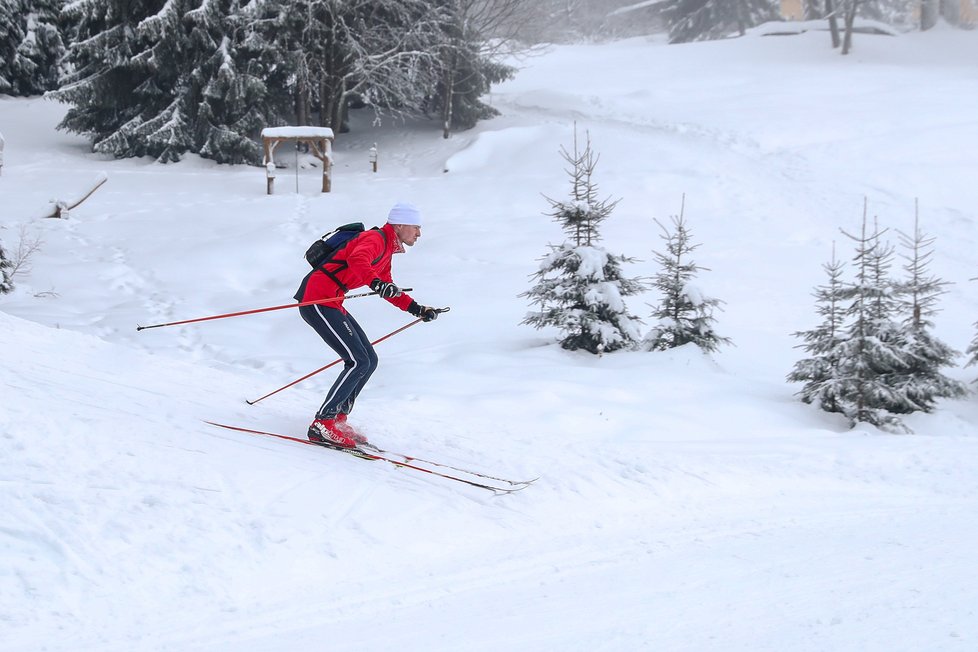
point(320, 251)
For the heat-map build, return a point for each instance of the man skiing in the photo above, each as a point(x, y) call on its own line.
point(365, 260)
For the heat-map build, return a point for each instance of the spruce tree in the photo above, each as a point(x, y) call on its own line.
point(820, 372)
point(6, 280)
point(700, 20)
point(921, 381)
point(36, 65)
point(580, 287)
point(12, 32)
point(111, 82)
point(191, 76)
point(873, 350)
point(684, 314)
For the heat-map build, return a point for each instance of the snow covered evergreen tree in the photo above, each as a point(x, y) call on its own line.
point(874, 356)
point(819, 372)
point(873, 351)
point(6, 282)
point(684, 314)
point(701, 20)
point(580, 287)
point(921, 381)
point(165, 78)
point(108, 79)
point(12, 32)
point(31, 46)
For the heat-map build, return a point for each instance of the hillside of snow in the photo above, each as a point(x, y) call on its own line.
point(684, 502)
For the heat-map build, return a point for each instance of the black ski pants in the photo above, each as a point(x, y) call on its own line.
point(343, 334)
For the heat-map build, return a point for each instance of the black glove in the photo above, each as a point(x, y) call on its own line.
point(426, 313)
point(385, 289)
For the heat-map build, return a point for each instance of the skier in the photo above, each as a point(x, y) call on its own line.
point(365, 260)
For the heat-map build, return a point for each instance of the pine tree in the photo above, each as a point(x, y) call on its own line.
point(6, 280)
point(684, 314)
point(12, 32)
point(111, 82)
point(819, 372)
point(700, 20)
point(873, 350)
point(580, 287)
point(35, 66)
point(921, 382)
point(191, 76)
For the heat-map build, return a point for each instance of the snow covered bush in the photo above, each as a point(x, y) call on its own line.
point(684, 314)
point(580, 287)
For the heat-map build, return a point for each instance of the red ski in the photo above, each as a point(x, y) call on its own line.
point(407, 462)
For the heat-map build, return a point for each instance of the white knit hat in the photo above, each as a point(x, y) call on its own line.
point(404, 213)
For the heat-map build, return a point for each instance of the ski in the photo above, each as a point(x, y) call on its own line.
point(411, 458)
point(383, 456)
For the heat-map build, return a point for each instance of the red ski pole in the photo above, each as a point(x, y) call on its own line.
point(335, 362)
point(251, 312)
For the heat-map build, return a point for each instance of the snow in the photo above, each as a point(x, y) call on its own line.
point(297, 132)
point(684, 502)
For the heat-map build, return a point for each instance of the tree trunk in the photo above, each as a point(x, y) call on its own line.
point(833, 22)
point(448, 101)
point(929, 10)
point(850, 21)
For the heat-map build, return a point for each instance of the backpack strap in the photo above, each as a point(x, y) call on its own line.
point(383, 235)
point(343, 264)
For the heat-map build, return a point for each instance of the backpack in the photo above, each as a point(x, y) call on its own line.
point(320, 251)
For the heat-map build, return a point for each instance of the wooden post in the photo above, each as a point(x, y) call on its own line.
point(327, 159)
point(373, 157)
point(270, 177)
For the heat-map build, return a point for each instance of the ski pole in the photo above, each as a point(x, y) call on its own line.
point(335, 362)
point(251, 312)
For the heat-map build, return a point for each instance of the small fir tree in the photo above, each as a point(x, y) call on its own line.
point(580, 287)
point(873, 350)
point(684, 315)
point(6, 267)
point(821, 370)
point(921, 381)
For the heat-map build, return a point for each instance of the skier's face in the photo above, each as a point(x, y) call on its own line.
point(408, 234)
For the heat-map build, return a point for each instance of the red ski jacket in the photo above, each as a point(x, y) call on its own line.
point(364, 258)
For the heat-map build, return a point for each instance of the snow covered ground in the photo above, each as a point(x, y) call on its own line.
point(684, 503)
